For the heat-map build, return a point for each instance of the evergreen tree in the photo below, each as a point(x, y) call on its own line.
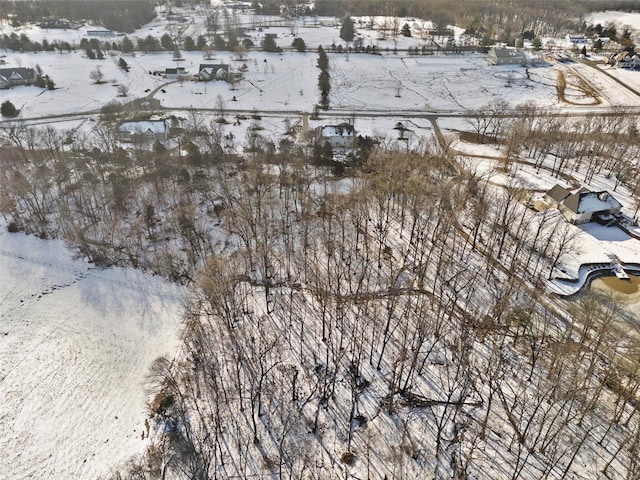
point(7, 109)
point(536, 44)
point(597, 45)
point(406, 31)
point(123, 64)
point(189, 44)
point(347, 31)
point(200, 42)
point(166, 42)
point(126, 45)
point(324, 83)
point(219, 43)
point(90, 54)
point(323, 59)
point(299, 44)
point(232, 43)
point(269, 44)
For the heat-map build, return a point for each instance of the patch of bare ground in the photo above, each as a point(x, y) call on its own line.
point(580, 85)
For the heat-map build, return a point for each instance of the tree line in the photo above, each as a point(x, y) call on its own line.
point(114, 15)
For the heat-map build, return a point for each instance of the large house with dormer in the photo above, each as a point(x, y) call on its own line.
point(16, 76)
point(583, 205)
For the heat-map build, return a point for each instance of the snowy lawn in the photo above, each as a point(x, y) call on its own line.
point(76, 343)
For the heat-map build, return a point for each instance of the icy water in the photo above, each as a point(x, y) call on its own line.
point(628, 291)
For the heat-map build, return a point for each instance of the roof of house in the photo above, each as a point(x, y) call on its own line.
point(508, 52)
point(18, 72)
point(344, 130)
point(215, 66)
point(584, 201)
point(153, 126)
point(558, 193)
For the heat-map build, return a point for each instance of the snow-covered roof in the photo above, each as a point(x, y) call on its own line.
point(154, 126)
point(337, 131)
point(18, 72)
point(597, 202)
point(508, 52)
point(591, 202)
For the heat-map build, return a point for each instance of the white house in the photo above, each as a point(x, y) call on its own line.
point(338, 136)
point(146, 132)
point(173, 73)
point(577, 39)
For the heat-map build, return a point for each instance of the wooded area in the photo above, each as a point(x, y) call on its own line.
point(390, 318)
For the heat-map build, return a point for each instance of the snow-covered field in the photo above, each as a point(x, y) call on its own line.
point(76, 343)
point(630, 19)
point(285, 85)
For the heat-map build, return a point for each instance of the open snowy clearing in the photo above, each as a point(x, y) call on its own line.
point(631, 19)
point(76, 343)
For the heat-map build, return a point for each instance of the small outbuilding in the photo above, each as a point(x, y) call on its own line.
point(173, 73)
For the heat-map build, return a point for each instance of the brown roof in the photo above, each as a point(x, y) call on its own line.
point(572, 202)
point(558, 193)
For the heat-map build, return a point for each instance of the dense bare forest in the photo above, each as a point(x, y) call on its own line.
point(386, 322)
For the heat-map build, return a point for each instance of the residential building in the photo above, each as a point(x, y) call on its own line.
point(100, 33)
point(507, 56)
point(583, 205)
point(212, 71)
point(340, 136)
point(146, 132)
point(16, 76)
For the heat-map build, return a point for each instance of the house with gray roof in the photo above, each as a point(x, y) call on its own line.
point(16, 76)
point(212, 71)
point(556, 195)
point(507, 56)
point(340, 136)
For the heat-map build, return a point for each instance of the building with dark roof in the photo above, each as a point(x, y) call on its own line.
point(507, 56)
point(13, 77)
point(583, 205)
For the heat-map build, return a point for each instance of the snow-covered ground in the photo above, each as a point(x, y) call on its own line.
point(630, 19)
point(76, 343)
